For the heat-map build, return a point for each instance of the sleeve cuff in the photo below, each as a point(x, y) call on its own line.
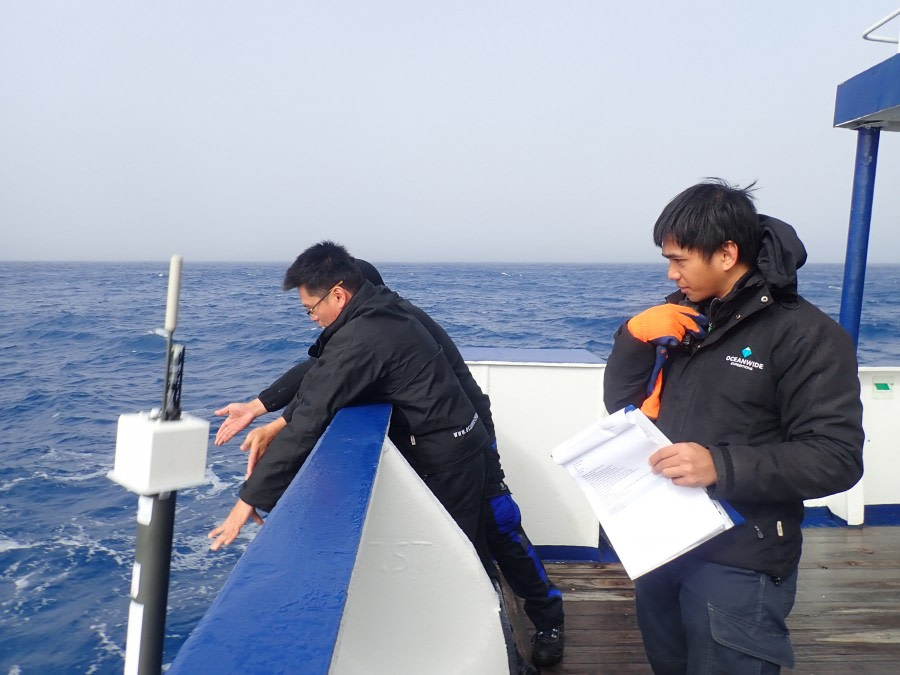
point(721, 457)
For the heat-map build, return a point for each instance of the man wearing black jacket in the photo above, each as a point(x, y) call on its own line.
point(371, 350)
point(763, 410)
point(506, 538)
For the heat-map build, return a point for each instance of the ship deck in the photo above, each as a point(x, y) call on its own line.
point(846, 616)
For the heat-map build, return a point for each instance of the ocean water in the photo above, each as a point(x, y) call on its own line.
point(77, 349)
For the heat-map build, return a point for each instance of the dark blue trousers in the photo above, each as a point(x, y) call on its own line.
point(520, 564)
point(699, 617)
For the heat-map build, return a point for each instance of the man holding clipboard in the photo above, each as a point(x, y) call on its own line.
point(758, 391)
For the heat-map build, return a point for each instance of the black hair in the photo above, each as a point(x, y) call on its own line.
point(705, 216)
point(321, 266)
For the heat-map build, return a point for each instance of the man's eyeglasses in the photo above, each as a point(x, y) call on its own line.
point(312, 310)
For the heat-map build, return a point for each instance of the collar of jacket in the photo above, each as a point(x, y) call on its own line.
point(750, 294)
point(358, 303)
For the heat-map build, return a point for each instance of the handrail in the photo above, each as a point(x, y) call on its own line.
point(294, 577)
point(357, 562)
point(882, 38)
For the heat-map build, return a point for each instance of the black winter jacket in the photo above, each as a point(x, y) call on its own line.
point(281, 392)
point(773, 392)
point(375, 351)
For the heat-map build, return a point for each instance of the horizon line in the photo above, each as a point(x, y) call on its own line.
point(393, 262)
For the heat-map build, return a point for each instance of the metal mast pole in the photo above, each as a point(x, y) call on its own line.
point(858, 235)
point(156, 523)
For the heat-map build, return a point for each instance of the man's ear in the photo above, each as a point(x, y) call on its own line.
point(729, 255)
point(341, 296)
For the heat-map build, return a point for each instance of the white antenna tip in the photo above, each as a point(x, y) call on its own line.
point(174, 292)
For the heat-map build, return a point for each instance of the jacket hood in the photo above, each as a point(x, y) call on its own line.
point(780, 256)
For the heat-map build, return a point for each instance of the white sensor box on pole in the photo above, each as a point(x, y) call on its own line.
point(154, 456)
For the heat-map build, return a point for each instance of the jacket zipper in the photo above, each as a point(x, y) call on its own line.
point(712, 305)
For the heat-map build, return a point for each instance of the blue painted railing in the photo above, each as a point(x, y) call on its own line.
point(323, 511)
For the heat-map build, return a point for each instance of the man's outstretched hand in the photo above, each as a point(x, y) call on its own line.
point(240, 415)
point(258, 440)
point(228, 531)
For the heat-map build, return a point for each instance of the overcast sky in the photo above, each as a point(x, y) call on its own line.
point(419, 130)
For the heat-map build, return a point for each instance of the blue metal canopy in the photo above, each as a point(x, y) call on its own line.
point(866, 103)
point(871, 98)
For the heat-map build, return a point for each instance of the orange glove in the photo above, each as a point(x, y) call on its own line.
point(667, 321)
point(650, 406)
point(665, 326)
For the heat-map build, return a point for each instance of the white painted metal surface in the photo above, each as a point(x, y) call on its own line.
point(419, 600)
point(536, 406)
point(881, 420)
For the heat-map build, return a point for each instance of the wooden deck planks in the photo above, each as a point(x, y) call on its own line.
point(846, 617)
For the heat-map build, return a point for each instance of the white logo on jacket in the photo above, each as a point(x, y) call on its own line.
point(745, 363)
point(463, 432)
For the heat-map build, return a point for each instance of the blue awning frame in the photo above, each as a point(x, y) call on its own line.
point(867, 103)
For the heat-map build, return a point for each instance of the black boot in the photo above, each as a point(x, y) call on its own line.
point(548, 646)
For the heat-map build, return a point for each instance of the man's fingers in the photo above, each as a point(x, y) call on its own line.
point(693, 322)
point(252, 459)
point(695, 329)
point(251, 445)
point(685, 464)
point(225, 433)
point(222, 535)
point(672, 472)
point(687, 322)
point(254, 441)
point(692, 313)
point(662, 453)
point(219, 538)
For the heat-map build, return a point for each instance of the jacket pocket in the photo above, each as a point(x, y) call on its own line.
point(754, 638)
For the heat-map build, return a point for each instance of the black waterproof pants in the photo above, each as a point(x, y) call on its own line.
point(460, 489)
